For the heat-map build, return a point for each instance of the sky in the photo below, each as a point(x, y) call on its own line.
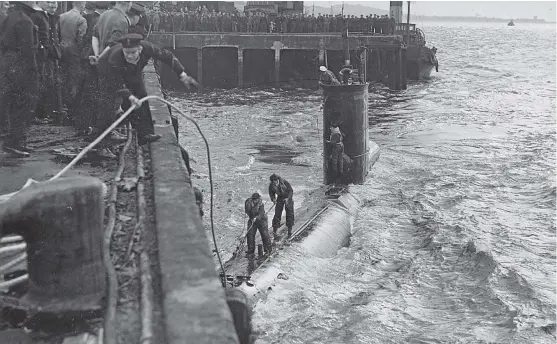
point(498, 9)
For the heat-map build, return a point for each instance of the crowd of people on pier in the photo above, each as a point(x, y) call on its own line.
point(60, 67)
point(203, 20)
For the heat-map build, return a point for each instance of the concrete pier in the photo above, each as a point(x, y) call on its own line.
point(193, 301)
point(190, 303)
point(296, 57)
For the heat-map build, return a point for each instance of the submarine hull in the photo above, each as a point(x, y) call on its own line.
point(329, 230)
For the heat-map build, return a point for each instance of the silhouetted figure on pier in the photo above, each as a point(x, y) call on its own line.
point(18, 76)
point(123, 65)
point(282, 194)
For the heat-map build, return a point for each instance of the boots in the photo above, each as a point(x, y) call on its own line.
point(275, 234)
point(289, 231)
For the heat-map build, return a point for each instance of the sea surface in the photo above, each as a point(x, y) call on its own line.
point(456, 238)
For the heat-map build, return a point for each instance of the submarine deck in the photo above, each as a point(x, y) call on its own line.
point(240, 267)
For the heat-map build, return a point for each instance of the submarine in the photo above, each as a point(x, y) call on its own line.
point(324, 220)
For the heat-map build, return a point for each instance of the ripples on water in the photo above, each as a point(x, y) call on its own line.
point(455, 242)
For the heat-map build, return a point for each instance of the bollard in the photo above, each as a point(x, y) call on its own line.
point(260, 250)
point(62, 224)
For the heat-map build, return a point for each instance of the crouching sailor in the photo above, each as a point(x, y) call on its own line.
point(123, 65)
point(257, 221)
point(281, 194)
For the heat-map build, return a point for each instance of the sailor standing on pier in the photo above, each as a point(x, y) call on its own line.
point(122, 66)
point(73, 28)
point(281, 194)
point(18, 75)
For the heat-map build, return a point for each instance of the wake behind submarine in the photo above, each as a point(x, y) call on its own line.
point(324, 220)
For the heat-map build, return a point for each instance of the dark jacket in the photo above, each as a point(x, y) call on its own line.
point(54, 22)
point(19, 38)
point(114, 64)
point(91, 19)
point(255, 209)
point(40, 19)
point(283, 191)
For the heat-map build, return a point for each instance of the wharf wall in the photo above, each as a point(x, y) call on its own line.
point(238, 60)
point(194, 304)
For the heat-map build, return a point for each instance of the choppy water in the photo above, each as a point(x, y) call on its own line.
point(455, 242)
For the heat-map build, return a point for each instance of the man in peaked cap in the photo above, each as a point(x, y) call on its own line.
point(122, 66)
point(137, 19)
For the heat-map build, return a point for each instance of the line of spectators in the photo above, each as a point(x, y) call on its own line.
point(202, 20)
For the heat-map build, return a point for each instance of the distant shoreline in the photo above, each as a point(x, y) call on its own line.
point(477, 19)
point(358, 10)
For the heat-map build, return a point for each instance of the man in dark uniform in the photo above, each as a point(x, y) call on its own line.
point(257, 221)
point(72, 28)
point(135, 13)
point(87, 95)
point(90, 7)
point(44, 53)
point(18, 75)
point(48, 102)
point(122, 66)
point(281, 194)
point(90, 14)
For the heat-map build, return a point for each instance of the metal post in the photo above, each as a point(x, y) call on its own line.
point(200, 70)
point(408, 24)
point(321, 57)
point(404, 68)
point(365, 65)
point(240, 67)
point(277, 67)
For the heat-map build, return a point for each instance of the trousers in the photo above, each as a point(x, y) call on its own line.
point(337, 161)
point(262, 227)
point(18, 99)
point(283, 203)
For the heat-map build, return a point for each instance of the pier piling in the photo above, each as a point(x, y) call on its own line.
point(327, 48)
point(200, 70)
point(240, 67)
point(277, 67)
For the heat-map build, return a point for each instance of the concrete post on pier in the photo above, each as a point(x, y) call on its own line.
point(200, 70)
point(240, 67)
point(404, 63)
point(62, 223)
point(322, 52)
point(277, 67)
